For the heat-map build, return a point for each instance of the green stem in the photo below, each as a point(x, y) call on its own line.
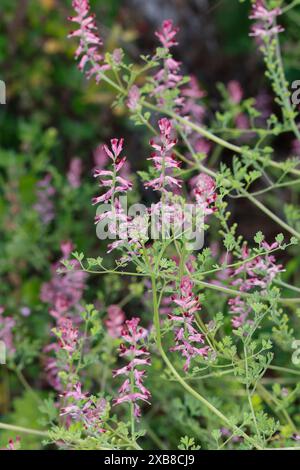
point(249, 395)
point(292, 5)
point(271, 214)
point(10, 427)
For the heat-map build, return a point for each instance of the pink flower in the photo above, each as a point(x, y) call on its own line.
point(235, 91)
point(51, 366)
point(85, 409)
point(66, 248)
point(191, 93)
point(100, 157)
point(260, 12)
point(116, 184)
point(296, 147)
point(187, 338)
point(74, 172)
point(64, 291)
point(133, 389)
point(68, 335)
point(202, 146)
point(115, 321)
point(13, 445)
point(44, 205)
point(168, 77)
point(110, 179)
point(163, 159)
point(89, 41)
point(75, 393)
point(203, 190)
point(266, 25)
point(257, 273)
point(117, 56)
point(242, 121)
point(25, 311)
point(133, 98)
point(167, 34)
point(187, 301)
point(7, 325)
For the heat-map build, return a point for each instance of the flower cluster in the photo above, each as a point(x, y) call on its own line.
point(68, 337)
point(191, 93)
point(117, 184)
point(67, 334)
point(13, 444)
point(133, 389)
point(89, 40)
point(163, 158)
point(133, 98)
point(266, 20)
point(166, 34)
point(204, 191)
point(168, 78)
point(111, 179)
point(187, 338)
point(84, 408)
point(256, 273)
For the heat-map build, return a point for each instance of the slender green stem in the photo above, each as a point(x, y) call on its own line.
point(11, 427)
point(271, 214)
point(292, 5)
point(249, 395)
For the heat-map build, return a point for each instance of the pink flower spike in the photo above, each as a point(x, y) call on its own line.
point(163, 159)
point(117, 146)
point(187, 338)
point(109, 178)
point(133, 389)
point(89, 41)
point(167, 34)
point(74, 173)
point(266, 20)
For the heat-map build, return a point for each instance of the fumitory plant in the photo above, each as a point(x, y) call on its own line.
point(199, 326)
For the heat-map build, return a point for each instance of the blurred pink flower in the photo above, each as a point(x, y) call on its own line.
point(133, 98)
point(204, 191)
point(44, 205)
point(235, 91)
point(74, 173)
point(115, 321)
point(7, 325)
point(64, 291)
